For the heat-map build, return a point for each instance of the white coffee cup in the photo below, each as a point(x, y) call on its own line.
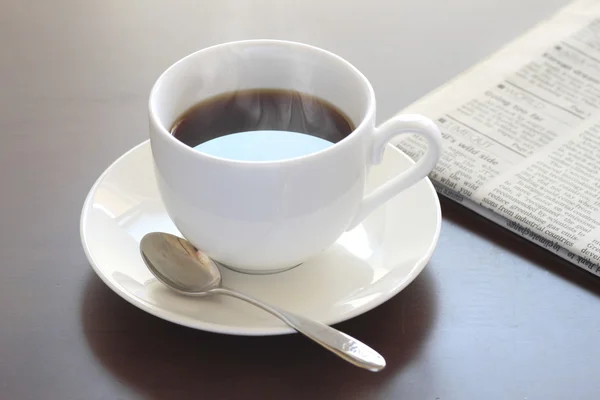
point(267, 216)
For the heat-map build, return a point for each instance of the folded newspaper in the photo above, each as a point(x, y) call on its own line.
point(522, 135)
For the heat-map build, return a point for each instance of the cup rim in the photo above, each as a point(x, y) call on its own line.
point(368, 116)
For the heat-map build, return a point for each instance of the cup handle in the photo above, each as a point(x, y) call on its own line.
point(400, 125)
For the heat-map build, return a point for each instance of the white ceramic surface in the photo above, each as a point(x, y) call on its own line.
point(364, 268)
point(272, 215)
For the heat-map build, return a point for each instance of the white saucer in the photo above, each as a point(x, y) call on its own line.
point(366, 266)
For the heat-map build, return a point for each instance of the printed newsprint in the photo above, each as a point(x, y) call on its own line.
point(522, 135)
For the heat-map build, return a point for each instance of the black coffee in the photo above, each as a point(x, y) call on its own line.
point(262, 110)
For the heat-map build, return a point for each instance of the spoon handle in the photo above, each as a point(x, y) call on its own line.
point(333, 340)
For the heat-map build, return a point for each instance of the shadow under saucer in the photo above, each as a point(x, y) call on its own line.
point(164, 360)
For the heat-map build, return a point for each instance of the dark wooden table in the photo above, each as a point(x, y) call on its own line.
point(491, 317)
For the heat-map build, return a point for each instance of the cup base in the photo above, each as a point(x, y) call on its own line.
point(258, 272)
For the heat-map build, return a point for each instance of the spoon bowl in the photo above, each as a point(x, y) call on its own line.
point(177, 264)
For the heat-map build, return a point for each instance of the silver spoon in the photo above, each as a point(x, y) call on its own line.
point(180, 266)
